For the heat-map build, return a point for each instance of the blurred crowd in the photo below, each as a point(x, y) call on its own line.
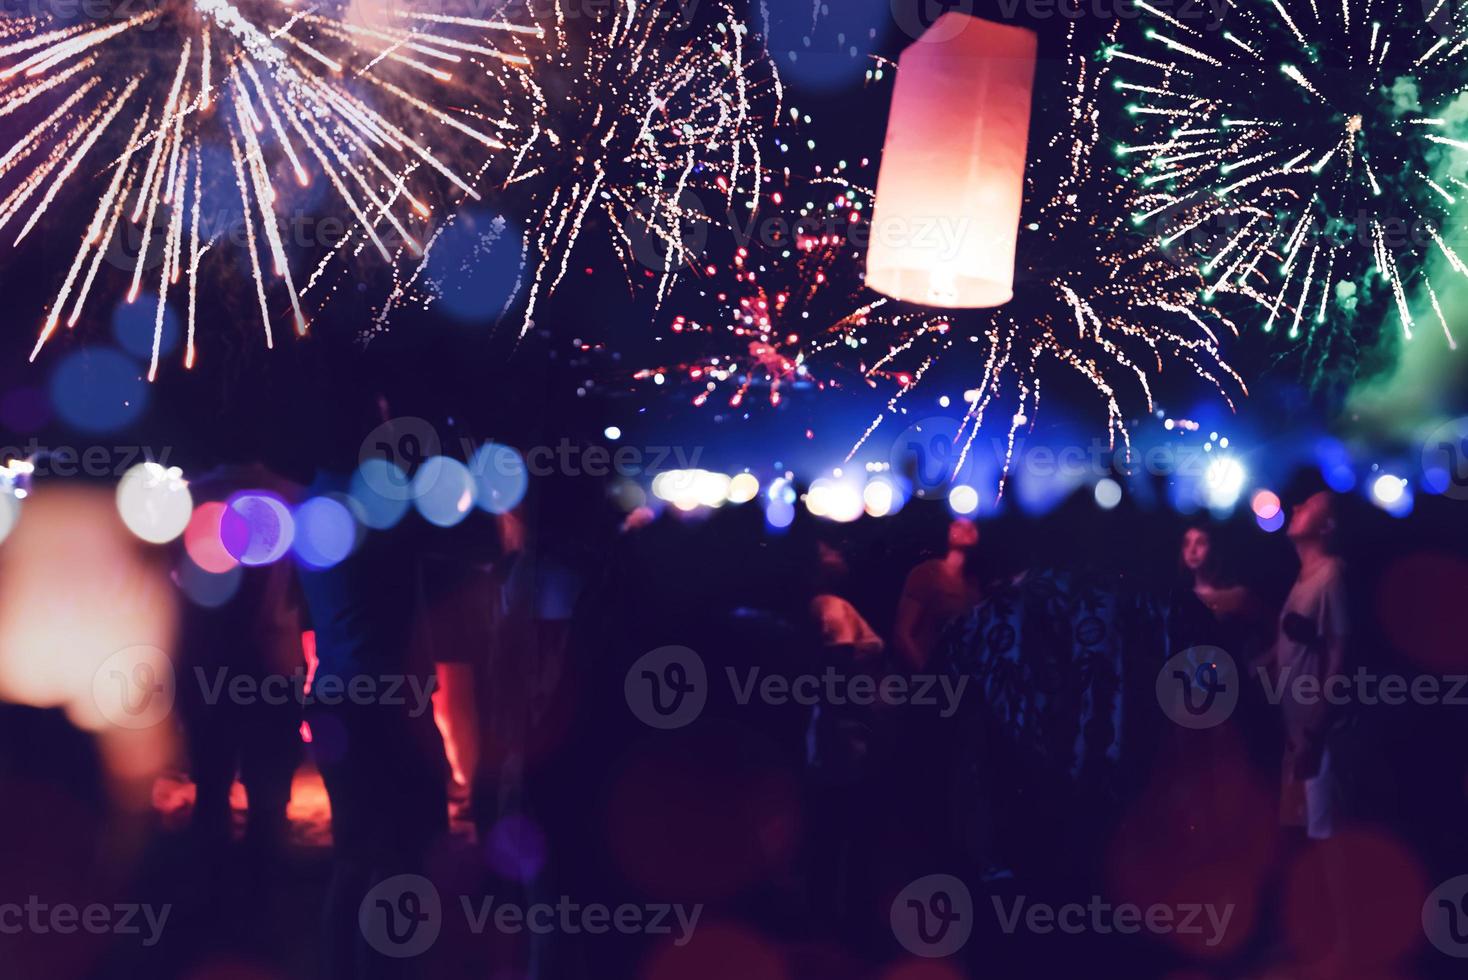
point(1022, 739)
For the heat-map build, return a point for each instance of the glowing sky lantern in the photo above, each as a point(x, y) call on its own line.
point(948, 194)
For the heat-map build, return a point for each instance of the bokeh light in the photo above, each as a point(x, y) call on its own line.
point(134, 324)
point(1392, 494)
point(9, 513)
point(834, 500)
point(325, 532)
point(443, 491)
point(1266, 505)
point(374, 509)
point(1359, 883)
point(1223, 482)
point(203, 541)
point(256, 527)
point(878, 497)
point(154, 502)
point(743, 487)
point(208, 589)
point(98, 390)
point(963, 500)
point(474, 267)
point(1419, 603)
point(1335, 465)
point(500, 477)
point(780, 514)
point(689, 490)
point(1107, 493)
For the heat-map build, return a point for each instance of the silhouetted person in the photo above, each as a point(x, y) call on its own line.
point(936, 592)
point(381, 757)
point(845, 748)
point(1313, 629)
point(254, 634)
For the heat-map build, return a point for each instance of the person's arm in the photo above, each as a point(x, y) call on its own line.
point(823, 615)
point(868, 643)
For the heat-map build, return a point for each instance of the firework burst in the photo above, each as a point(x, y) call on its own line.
point(1306, 155)
point(652, 132)
point(769, 306)
point(1093, 298)
point(151, 115)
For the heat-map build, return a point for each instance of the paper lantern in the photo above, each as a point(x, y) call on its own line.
point(952, 178)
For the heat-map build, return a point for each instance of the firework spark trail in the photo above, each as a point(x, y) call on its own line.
point(134, 105)
point(1323, 120)
point(783, 297)
point(627, 129)
point(1093, 297)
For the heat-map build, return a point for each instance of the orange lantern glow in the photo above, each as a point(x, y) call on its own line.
point(948, 194)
